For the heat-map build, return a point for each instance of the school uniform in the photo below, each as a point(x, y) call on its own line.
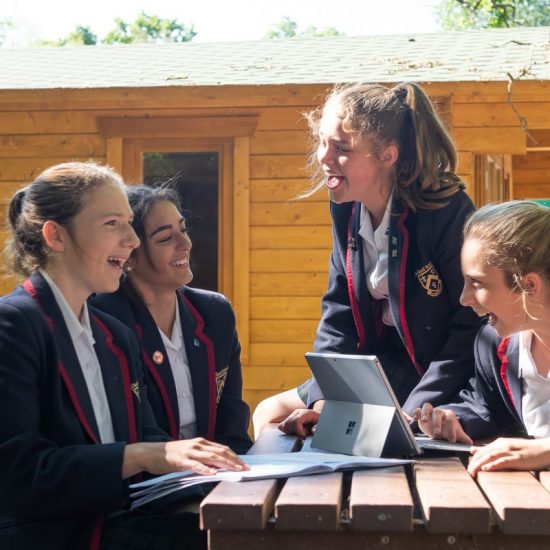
point(56, 480)
point(492, 404)
point(213, 356)
point(430, 346)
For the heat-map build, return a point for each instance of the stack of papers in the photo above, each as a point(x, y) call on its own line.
point(269, 466)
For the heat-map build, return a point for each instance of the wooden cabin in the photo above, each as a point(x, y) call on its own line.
point(225, 121)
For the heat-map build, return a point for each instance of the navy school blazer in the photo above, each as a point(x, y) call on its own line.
point(425, 282)
point(491, 404)
point(213, 352)
point(55, 480)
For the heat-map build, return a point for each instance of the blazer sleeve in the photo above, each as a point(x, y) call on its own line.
point(39, 478)
point(336, 332)
point(452, 367)
point(481, 408)
point(233, 414)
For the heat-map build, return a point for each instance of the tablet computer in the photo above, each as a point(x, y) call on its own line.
point(361, 415)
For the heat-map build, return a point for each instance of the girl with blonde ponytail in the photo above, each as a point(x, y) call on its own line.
point(398, 209)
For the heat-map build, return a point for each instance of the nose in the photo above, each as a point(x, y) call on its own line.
point(324, 154)
point(184, 241)
point(131, 240)
point(466, 298)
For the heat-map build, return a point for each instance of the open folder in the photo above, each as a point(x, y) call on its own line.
point(268, 466)
point(361, 415)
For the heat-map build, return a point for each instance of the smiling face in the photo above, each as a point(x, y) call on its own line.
point(164, 260)
point(487, 293)
point(99, 240)
point(353, 171)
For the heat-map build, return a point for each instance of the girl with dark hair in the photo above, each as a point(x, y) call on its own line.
point(394, 276)
point(188, 338)
point(506, 266)
point(76, 423)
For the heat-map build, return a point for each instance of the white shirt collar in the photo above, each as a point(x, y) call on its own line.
point(365, 226)
point(75, 326)
point(176, 340)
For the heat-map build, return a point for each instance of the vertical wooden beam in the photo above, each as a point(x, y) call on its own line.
point(225, 216)
point(241, 241)
point(114, 153)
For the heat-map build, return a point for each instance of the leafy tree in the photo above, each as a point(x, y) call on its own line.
point(146, 28)
point(81, 36)
point(483, 14)
point(5, 26)
point(287, 28)
point(149, 28)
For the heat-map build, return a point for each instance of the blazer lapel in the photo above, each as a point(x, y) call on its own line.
point(155, 358)
point(68, 363)
point(113, 383)
point(514, 380)
point(197, 355)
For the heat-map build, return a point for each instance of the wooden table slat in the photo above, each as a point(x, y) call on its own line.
point(271, 539)
point(521, 503)
point(450, 500)
point(544, 478)
point(238, 505)
point(310, 502)
point(380, 500)
point(272, 440)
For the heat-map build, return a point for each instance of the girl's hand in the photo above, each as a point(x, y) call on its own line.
point(301, 422)
point(441, 424)
point(202, 456)
point(508, 453)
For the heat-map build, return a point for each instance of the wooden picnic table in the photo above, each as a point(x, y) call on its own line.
point(431, 504)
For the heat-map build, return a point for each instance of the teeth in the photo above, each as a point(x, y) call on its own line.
point(178, 263)
point(119, 261)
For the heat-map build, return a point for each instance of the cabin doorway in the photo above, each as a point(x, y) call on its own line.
point(195, 178)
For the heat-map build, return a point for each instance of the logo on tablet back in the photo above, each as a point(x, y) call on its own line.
point(351, 427)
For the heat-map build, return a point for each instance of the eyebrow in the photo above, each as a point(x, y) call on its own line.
point(117, 214)
point(165, 227)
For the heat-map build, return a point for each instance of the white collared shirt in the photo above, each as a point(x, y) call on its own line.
point(535, 403)
point(83, 342)
point(375, 258)
point(177, 355)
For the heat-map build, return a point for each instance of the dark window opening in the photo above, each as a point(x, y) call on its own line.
point(195, 178)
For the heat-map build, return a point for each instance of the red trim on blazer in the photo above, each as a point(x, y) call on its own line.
point(28, 286)
point(76, 402)
point(501, 352)
point(96, 533)
point(402, 269)
point(168, 409)
point(126, 382)
point(211, 366)
point(356, 312)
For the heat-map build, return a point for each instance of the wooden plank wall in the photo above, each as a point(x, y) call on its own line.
point(532, 175)
point(289, 240)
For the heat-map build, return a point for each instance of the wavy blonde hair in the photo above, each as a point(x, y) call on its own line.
point(403, 115)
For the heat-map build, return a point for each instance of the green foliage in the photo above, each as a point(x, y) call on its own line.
point(286, 28)
point(484, 14)
point(146, 28)
point(5, 26)
point(81, 36)
point(149, 28)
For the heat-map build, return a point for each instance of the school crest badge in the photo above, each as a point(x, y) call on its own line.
point(220, 383)
point(430, 280)
point(135, 390)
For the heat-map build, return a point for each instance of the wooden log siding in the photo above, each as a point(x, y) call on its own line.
point(288, 243)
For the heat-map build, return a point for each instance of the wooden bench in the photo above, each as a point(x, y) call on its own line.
point(432, 504)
